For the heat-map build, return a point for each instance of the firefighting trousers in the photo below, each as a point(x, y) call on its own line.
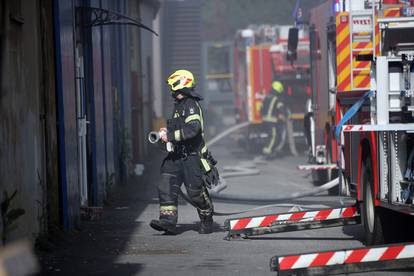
point(176, 171)
point(274, 131)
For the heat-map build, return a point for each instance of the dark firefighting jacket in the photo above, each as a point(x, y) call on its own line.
point(272, 106)
point(186, 129)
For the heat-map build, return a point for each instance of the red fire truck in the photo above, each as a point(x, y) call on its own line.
point(340, 31)
point(361, 118)
point(338, 34)
point(259, 59)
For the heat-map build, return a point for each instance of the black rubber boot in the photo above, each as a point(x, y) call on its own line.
point(206, 225)
point(163, 226)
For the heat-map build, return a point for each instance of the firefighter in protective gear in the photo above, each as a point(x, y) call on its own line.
point(188, 162)
point(274, 117)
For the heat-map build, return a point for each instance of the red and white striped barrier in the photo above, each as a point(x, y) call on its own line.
point(268, 220)
point(364, 257)
point(317, 167)
point(369, 127)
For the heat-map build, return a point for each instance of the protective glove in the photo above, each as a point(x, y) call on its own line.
point(212, 177)
point(211, 159)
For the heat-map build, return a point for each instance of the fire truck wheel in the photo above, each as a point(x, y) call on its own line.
point(370, 215)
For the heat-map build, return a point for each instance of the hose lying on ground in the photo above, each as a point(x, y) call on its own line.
point(217, 195)
point(234, 172)
point(238, 171)
point(250, 198)
point(242, 171)
point(250, 169)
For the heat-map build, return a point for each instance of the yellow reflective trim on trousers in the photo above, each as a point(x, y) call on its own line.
point(271, 107)
point(270, 119)
point(177, 135)
point(268, 149)
point(205, 164)
point(168, 208)
point(297, 116)
point(192, 118)
point(204, 150)
point(176, 115)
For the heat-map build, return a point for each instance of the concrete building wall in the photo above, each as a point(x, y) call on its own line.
point(22, 115)
point(39, 93)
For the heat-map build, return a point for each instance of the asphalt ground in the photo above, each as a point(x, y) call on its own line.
point(122, 243)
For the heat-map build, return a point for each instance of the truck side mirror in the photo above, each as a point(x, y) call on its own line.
point(292, 44)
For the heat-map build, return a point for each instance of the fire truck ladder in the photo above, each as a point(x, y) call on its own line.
point(293, 221)
point(362, 41)
point(393, 256)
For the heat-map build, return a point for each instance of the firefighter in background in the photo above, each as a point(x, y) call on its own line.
point(274, 115)
point(188, 162)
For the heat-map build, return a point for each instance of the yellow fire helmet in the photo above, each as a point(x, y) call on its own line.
point(181, 79)
point(278, 86)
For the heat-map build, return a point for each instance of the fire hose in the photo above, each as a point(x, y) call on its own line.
point(217, 195)
point(240, 171)
point(248, 170)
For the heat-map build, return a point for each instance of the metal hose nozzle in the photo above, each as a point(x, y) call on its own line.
point(154, 137)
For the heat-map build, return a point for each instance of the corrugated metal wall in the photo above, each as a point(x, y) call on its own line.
point(121, 87)
point(107, 95)
point(66, 102)
point(112, 80)
point(181, 38)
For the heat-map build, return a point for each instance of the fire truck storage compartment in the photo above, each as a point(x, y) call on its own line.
point(398, 40)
